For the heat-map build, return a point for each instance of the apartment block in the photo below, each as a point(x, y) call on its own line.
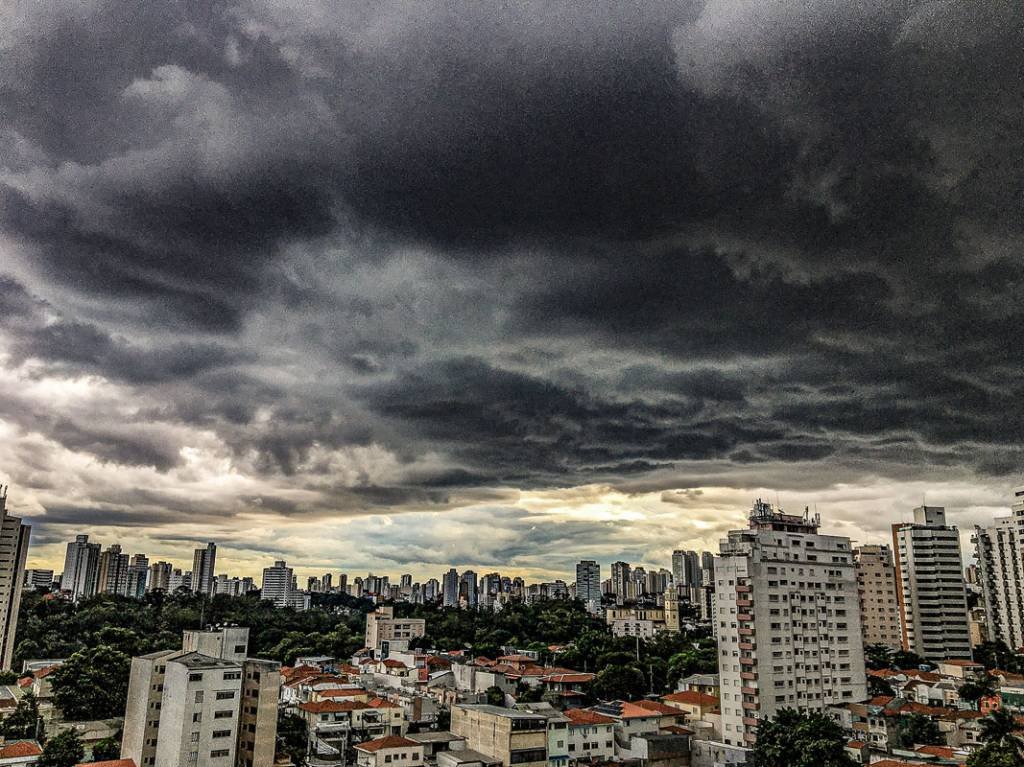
point(81, 563)
point(588, 584)
point(932, 594)
point(385, 633)
point(999, 549)
point(206, 705)
point(13, 551)
point(204, 563)
point(506, 735)
point(787, 619)
point(876, 589)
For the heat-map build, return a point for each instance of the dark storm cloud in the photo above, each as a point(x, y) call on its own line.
point(519, 245)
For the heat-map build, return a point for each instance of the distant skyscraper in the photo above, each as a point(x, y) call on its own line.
point(279, 587)
point(13, 551)
point(468, 588)
point(621, 583)
point(112, 576)
point(588, 584)
point(203, 564)
point(81, 564)
point(159, 577)
point(707, 564)
point(1000, 573)
point(431, 590)
point(451, 588)
point(138, 576)
point(326, 582)
point(39, 579)
point(932, 595)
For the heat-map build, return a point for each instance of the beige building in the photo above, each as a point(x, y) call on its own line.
point(787, 619)
point(643, 622)
point(876, 590)
point(13, 551)
point(506, 735)
point(591, 735)
point(932, 593)
point(386, 634)
point(206, 705)
point(391, 750)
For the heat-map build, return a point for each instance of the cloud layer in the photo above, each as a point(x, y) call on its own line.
point(271, 270)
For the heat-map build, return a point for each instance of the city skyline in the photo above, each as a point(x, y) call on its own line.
point(355, 284)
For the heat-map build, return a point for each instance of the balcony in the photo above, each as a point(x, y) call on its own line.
point(748, 661)
point(748, 690)
point(751, 706)
point(750, 737)
point(745, 632)
point(748, 675)
point(749, 721)
point(744, 602)
point(744, 617)
point(743, 589)
point(748, 646)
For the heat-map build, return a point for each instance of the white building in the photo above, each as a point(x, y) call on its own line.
point(279, 587)
point(1000, 552)
point(932, 594)
point(81, 564)
point(13, 551)
point(787, 619)
point(386, 634)
point(203, 564)
point(206, 705)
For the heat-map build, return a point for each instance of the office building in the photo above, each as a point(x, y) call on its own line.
point(81, 563)
point(999, 549)
point(13, 551)
point(932, 595)
point(203, 564)
point(787, 619)
point(206, 705)
point(38, 579)
point(876, 589)
point(588, 584)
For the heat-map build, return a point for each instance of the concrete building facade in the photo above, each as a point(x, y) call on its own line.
point(999, 549)
point(14, 537)
point(876, 589)
point(932, 593)
point(787, 619)
point(506, 735)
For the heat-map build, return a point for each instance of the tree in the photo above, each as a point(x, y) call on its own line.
point(997, 655)
point(917, 730)
point(495, 696)
point(292, 737)
point(879, 686)
point(63, 750)
point(999, 727)
point(793, 739)
point(108, 748)
point(996, 755)
point(619, 683)
point(92, 684)
point(905, 659)
point(23, 722)
point(8, 677)
point(877, 656)
point(977, 688)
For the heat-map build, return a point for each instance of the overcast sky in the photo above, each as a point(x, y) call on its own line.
point(392, 287)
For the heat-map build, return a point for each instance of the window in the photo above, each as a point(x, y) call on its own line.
point(232, 675)
point(239, 649)
point(225, 695)
point(223, 714)
point(199, 696)
point(219, 752)
point(197, 716)
point(198, 677)
point(525, 755)
point(222, 733)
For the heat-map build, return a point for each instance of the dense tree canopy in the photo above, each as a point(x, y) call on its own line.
point(793, 739)
point(63, 750)
point(92, 683)
point(918, 730)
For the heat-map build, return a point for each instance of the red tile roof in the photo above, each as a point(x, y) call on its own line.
point(381, 703)
point(691, 698)
point(574, 678)
point(944, 752)
point(638, 711)
point(855, 744)
point(333, 706)
point(583, 716)
point(20, 748)
point(388, 741)
point(658, 708)
point(341, 692)
point(516, 658)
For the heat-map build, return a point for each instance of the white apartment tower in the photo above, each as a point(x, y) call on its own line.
point(1000, 552)
point(13, 551)
point(879, 603)
point(277, 584)
point(787, 619)
point(932, 594)
point(81, 567)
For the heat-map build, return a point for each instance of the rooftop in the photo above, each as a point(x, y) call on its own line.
point(507, 713)
point(387, 742)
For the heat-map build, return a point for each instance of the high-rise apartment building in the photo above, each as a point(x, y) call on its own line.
point(431, 589)
point(787, 620)
point(38, 579)
point(622, 583)
point(879, 603)
point(112, 573)
point(932, 595)
point(81, 564)
point(138, 576)
point(588, 584)
point(13, 551)
point(159, 577)
point(686, 568)
point(451, 588)
point(468, 588)
point(279, 587)
point(206, 705)
point(707, 565)
point(999, 548)
point(203, 564)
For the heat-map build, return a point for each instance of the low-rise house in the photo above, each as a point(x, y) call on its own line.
point(591, 736)
point(705, 683)
point(558, 731)
point(392, 750)
point(19, 752)
point(961, 669)
point(506, 735)
point(696, 705)
point(435, 742)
